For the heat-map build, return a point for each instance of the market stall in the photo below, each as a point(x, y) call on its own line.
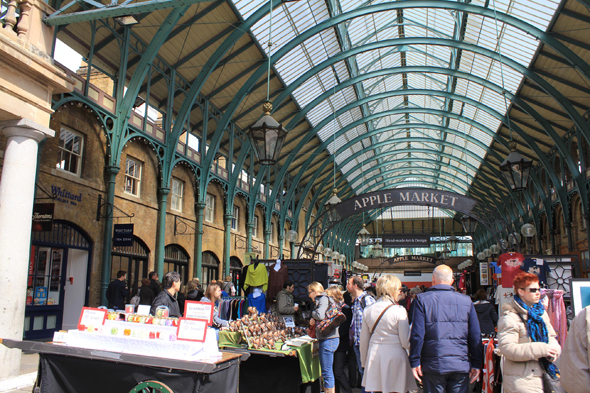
point(71, 369)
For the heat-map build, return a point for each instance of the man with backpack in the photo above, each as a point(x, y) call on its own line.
point(354, 286)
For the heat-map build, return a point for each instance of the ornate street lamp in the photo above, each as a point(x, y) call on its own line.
point(363, 236)
point(528, 231)
point(516, 169)
point(469, 224)
point(292, 236)
point(267, 137)
point(327, 252)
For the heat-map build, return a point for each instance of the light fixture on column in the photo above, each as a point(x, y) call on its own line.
point(528, 231)
point(342, 258)
point(495, 249)
point(446, 253)
point(292, 236)
point(335, 255)
point(487, 252)
point(363, 236)
point(267, 135)
point(514, 239)
point(327, 252)
point(516, 169)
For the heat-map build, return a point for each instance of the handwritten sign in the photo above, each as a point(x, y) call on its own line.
point(289, 322)
point(91, 317)
point(192, 330)
point(199, 310)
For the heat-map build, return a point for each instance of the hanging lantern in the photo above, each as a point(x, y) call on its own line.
point(267, 137)
point(453, 242)
point(516, 169)
point(292, 236)
point(363, 236)
point(469, 224)
point(332, 214)
point(528, 230)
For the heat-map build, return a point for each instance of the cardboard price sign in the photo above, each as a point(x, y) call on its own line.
point(91, 317)
point(199, 310)
point(192, 330)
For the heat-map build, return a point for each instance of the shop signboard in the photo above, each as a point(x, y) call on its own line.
point(43, 217)
point(412, 273)
point(123, 235)
point(406, 240)
point(199, 310)
point(484, 276)
point(411, 258)
point(91, 318)
point(192, 330)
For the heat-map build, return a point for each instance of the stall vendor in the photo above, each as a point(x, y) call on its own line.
point(286, 306)
point(213, 295)
point(171, 286)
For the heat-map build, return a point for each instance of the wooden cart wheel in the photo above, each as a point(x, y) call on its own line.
point(151, 387)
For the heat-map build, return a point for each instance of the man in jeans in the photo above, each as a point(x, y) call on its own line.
point(445, 345)
point(354, 286)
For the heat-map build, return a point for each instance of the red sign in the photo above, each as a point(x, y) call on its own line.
point(91, 317)
point(192, 330)
point(199, 310)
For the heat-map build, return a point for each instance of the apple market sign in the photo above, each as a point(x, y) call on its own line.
point(405, 196)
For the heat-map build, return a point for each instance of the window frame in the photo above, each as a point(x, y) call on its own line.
point(138, 164)
point(255, 228)
point(63, 150)
point(235, 218)
point(178, 197)
point(210, 210)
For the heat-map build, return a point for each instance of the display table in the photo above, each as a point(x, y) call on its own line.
point(72, 370)
point(293, 370)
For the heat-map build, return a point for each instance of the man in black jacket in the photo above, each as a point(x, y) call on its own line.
point(171, 284)
point(117, 291)
point(154, 283)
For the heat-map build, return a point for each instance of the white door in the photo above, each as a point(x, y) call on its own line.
point(75, 290)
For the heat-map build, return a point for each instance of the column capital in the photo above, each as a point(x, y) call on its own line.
point(26, 128)
point(200, 205)
point(163, 190)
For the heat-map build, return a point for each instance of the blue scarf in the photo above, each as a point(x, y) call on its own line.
point(537, 330)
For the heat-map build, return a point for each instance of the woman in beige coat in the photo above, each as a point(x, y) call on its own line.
point(383, 353)
point(526, 338)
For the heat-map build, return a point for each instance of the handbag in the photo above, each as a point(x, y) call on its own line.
point(333, 319)
point(135, 299)
point(551, 385)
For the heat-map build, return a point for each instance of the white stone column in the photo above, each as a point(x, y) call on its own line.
point(17, 195)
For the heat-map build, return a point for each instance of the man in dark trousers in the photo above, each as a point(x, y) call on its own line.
point(117, 291)
point(154, 283)
point(446, 351)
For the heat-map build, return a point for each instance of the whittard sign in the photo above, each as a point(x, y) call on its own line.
point(405, 196)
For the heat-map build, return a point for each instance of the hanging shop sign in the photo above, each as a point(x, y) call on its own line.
point(405, 196)
point(412, 258)
point(484, 276)
point(43, 217)
point(406, 240)
point(412, 273)
point(123, 235)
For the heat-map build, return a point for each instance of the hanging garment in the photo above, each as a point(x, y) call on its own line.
point(258, 302)
point(557, 313)
point(276, 279)
point(488, 368)
point(538, 267)
point(510, 263)
point(256, 277)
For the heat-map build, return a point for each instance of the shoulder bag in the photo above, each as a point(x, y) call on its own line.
point(333, 319)
point(380, 316)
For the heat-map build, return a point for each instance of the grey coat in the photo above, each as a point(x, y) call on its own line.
point(322, 303)
point(285, 303)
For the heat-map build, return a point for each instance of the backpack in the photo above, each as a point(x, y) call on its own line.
point(333, 319)
point(135, 299)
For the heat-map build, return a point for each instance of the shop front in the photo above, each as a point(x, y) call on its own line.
point(58, 280)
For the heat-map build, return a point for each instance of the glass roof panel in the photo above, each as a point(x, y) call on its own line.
point(293, 18)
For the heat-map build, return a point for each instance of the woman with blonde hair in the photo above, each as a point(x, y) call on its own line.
point(385, 336)
point(328, 342)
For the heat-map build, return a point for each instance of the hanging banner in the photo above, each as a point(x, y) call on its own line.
point(406, 240)
point(405, 196)
point(123, 235)
point(412, 273)
point(43, 217)
point(484, 277)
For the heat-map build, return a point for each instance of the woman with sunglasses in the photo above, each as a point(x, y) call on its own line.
point(526, 338)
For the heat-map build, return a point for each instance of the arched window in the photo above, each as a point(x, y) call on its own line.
point(210, 268)
point(134, 260)
point(176, 259)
